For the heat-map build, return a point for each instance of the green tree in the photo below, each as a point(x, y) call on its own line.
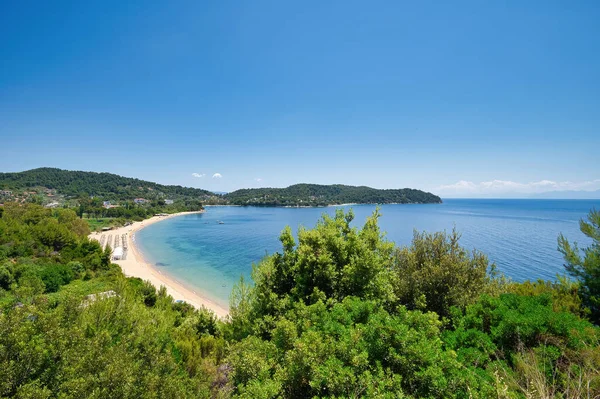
point(56, 275)
point(207, 322)
point(329, 262)
point(353, 349)
point(436, 273)
point(6, 277)
point(586, 268)
point(148, 292)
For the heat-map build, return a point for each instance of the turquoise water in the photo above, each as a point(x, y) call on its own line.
point(518, 235)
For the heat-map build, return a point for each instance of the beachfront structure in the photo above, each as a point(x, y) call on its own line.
point(52, 205)
point(117, 253)
point(89, 299)
point(140, 200)
point(168, 202)
point(101, 295)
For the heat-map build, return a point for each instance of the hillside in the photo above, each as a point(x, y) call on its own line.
point(321, 195)
point(111, 187)
point(339, 312)
point(107, 186)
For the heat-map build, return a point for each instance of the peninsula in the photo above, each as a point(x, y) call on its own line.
point(323, 195)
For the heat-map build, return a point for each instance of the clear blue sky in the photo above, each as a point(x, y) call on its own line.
point(386, 94)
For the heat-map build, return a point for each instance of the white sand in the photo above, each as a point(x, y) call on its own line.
point(136, 266)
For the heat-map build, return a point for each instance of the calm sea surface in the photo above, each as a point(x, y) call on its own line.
point(518, 235)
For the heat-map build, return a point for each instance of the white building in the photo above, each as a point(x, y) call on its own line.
point(117, 253)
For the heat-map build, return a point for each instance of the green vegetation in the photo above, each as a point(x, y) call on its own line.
point(123, 190)
point(586, 269)
point(103, 199)
point(97, 224)
point(99, 216)
point(319, 195)
point(108, 186)
point(72, 326)
point(339, 312)
point(343, 313)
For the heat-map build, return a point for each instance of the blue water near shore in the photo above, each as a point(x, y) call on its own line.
point(520, 236)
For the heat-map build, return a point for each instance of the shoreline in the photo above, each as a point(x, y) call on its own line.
point(136, 266)
point(331, 205)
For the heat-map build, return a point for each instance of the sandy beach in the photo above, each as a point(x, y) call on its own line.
point(135, 266)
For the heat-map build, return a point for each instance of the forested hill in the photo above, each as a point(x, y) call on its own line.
point(106, 185)
point(320, 195)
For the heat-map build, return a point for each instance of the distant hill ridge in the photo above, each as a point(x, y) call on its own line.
point(114, 187)
point(105, 185)
point(335, 194)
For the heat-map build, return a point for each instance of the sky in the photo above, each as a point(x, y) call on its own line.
point(463, 98)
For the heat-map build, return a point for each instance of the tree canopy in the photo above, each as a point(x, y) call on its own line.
point(586, 268)
point(107, 186)
point(344, 313)
point(321, 195)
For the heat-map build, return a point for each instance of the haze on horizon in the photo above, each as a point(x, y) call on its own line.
point(467, 99)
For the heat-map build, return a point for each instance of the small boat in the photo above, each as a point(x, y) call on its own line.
point(221, 222)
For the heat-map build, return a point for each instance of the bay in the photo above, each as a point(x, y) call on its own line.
point(520, 236)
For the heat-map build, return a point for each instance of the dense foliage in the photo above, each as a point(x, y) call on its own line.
point(339, 312)
point(344, 313)
point(93, 210)
point(334, 261)
point(107, 186)
point(104, 199)
point(435, 273)
point(72, 326)
point(110, 187)
point(34, 231)
point(586, 269)
point(516, 342)
point(321, 195)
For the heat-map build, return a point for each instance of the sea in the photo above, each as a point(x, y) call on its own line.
point(209, 252)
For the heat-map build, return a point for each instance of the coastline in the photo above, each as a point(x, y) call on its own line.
point(136, 266)
point(325, 206)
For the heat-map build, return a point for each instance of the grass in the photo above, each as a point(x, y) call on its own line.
point(81, 288)
point(96, 224)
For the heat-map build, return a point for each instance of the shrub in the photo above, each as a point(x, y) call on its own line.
point(586, 269)
point(436, 273)
point(55, 275)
